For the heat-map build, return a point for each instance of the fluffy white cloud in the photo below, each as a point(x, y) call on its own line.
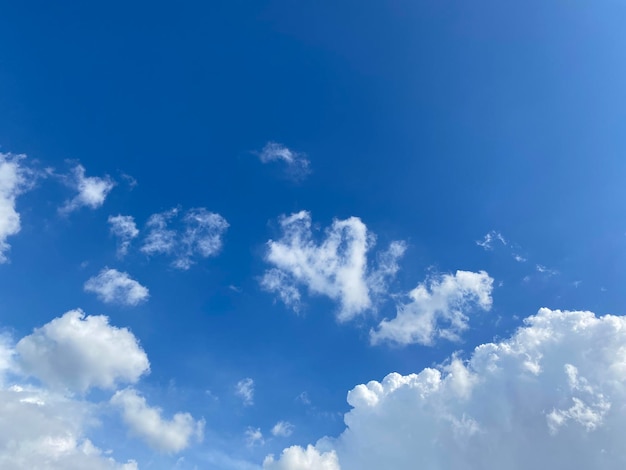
point(297, 458)
point(245, 390)
point(201, 235)
point(297, 164)
point(254, 437)
point(113, 286)
point(14, 179)
point(125, 229)
point(92, 190)
point(77, 352)
point(146, 422)
point(438, 309)
point(337, 267)
point(283, 429)
point(551, 396)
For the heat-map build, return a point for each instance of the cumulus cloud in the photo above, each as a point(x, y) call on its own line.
point(41, 428)
point(283, 429)
point(297, 164)
point(297, 458)
point(245, 390)
point(77, 352)
point(490, 238)
point(113, 286)
point(337, 267)
point(92, 190)
point(201, 234)
point(124, 228)
point(146, 422)
point(551, 396)
point(438, 309)
point(14, 180)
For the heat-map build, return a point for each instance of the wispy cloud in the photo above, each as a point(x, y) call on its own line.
point(490, 238)
point(254, 437)
point(124, 228)
point(283, 429)
point(245, 390)
point(297, 165)
point(113, 286)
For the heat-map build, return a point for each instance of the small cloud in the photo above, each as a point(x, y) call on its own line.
point(519, 258)
point(245, 390)
point(490, 238)
point(254, 437)
point(576, 284)
point(298, 166)
point(283, 429)
point(547, 271)
point(304, 398)
point(112, 286)
point(92, 190)
point(125, 229)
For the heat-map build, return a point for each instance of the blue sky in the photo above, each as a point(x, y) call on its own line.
point(280, 201)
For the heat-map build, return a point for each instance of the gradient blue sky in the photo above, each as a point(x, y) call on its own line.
point(435, 123)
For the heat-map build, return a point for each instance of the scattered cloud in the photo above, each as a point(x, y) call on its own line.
point(254, 437)
point(245, 390)
point(337, 267)
point(547, 271)
point(125, 229)
point(201, 235)
point(115, 287)
point(519, 258)
point(14, 180)
point(283, 429)
point(551, 396)
point(77, 352)
point(146, 422)
point(297, 164)
point(490, 238)
point(438, 309)
point(92, 190)
point(297, 458)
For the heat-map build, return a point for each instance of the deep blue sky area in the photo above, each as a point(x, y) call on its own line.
point(434, 122)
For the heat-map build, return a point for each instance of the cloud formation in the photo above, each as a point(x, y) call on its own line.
point(146, 422)
point(245, 390)
point(124, 228)
point(115, 287)
point(297, 458)
point(283, 429)
point(297, 164)
point(14, 180)
point(201, 234)
point(77, 352)
point(438, 309)
point(490, 238)
point(551, 396)
point(92, 190)
point(338, 267)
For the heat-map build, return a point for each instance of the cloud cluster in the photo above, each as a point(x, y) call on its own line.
point(438, 309)
point(48, 423)
point(91, 190)
point(14, 180)
point(113, 286)
point(337, 267)
point(551, 396)
point(245, 390)
point(201, 235)
point(297, 164)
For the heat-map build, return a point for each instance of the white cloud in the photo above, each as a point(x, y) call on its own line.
point(298, 166)
point(146, 422)
point(489, 239)
point(283, 429)
point(337, 267)
point(297, 458)
point(14, 180)
point(551, 396)
point(254, 437)
point(438, 309)
point(113, 286)
point(201, 235)
point(77, 352)
point(245, 390)
point(92, 190)
point(125, 229)
point(547, 271)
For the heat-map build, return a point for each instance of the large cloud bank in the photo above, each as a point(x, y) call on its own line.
point(551, 396)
